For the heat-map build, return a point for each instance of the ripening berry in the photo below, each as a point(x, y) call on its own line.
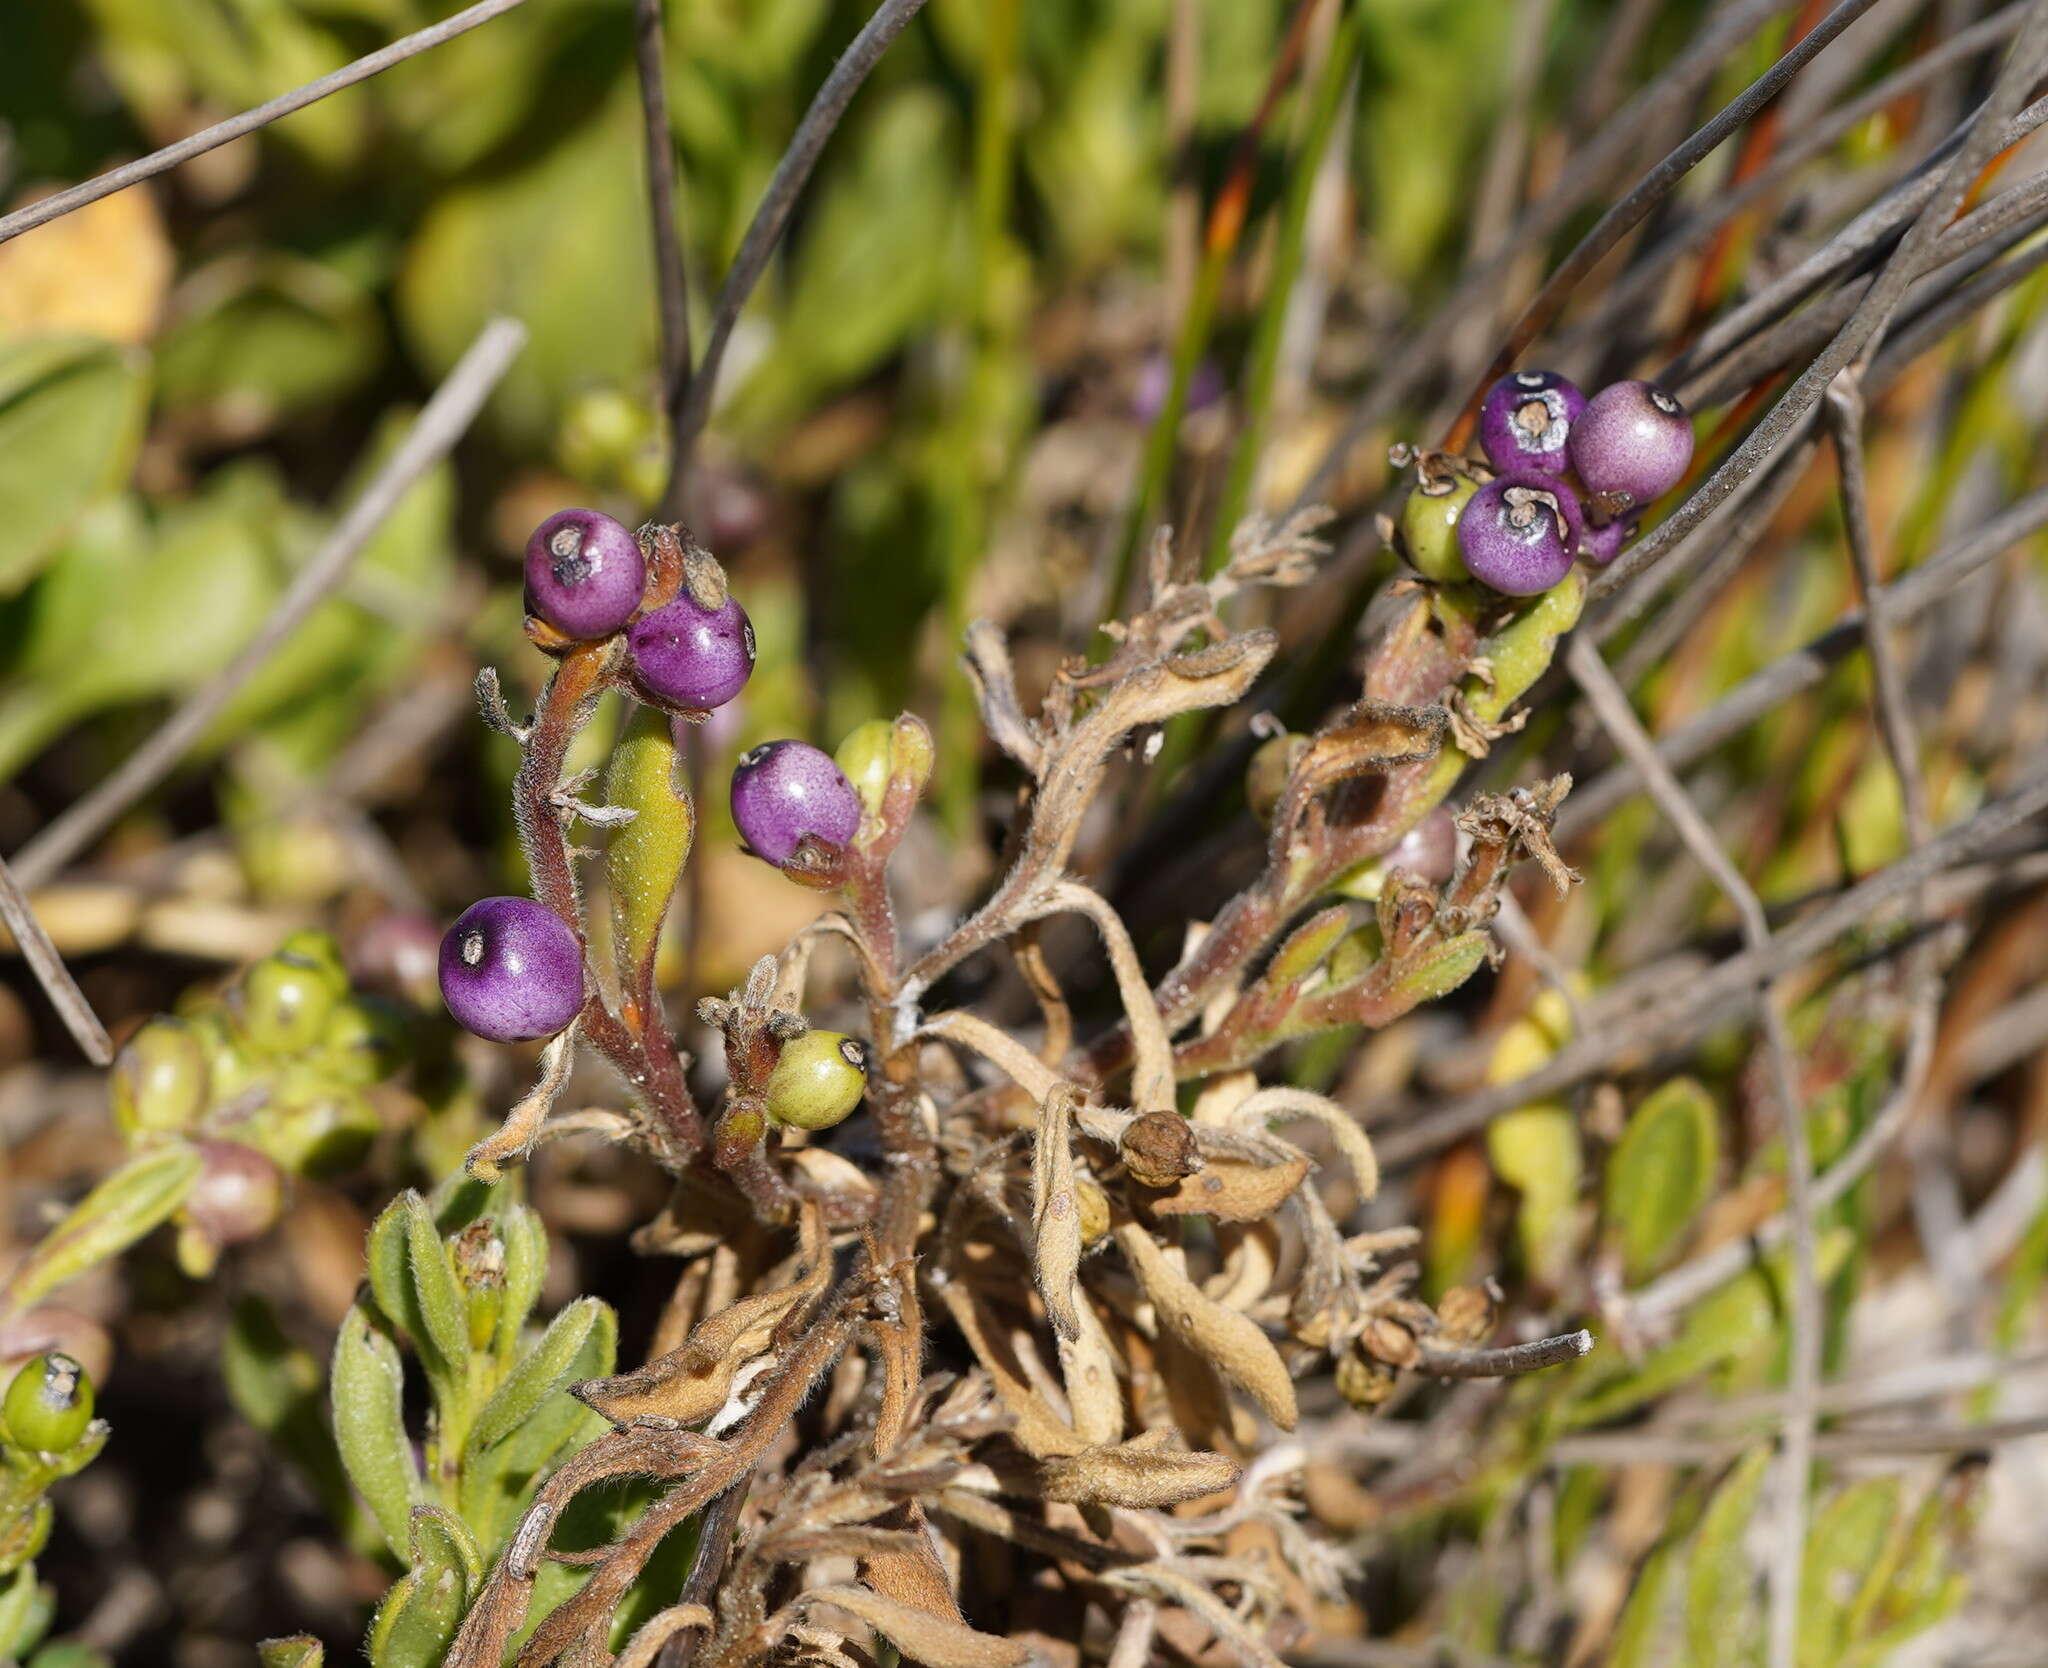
point(818, 1080)
point(364, 1042)
point(1520, 533)
point(1527, 420)
point(284, 1003)
point(48, 1405)
point(238, 1195)
point(160, 1079)
point(783, 790)
point(1429, 526)
point(1429, 850)
point(690, 656)
point(1633, 442)
point(512, 970)
point(1603, 543)
point(584, 573)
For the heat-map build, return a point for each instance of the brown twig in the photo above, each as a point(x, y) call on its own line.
point(1507, 1361)
point(672, 284)
point(51, 973)
point(439, 425)
point(1610, 705)
point(235, 127)
point(890, 19)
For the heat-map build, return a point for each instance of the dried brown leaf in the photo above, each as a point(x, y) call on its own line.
point(921, 1636)
point(1056, 1210)
point(1135, 1476)
point(1237, 1346)
point(1282, 1102)
point(1233, 1189)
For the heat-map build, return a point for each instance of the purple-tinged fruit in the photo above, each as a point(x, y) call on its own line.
point(784, 790)
point(584, 573)
point(1526, 421)
point(238, 1196)
point(690, 656)
point(1519, 534)
point(1603, 543)
point(1429, 850)
point(512, 970)
point(1632, 444)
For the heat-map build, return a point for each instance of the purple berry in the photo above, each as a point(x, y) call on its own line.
point(1519, 533)
point(783, 790)
point(692, 656)
point(584, 573)
point(1526, 422)
point(1632, 443)
point(511, 970)
point(1429, 850)
point(1603, 543)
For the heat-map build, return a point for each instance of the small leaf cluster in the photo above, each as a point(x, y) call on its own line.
point(452, 1284)
point(47, 1433)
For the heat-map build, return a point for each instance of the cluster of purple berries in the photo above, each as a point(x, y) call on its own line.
point(1573, 478)
point(586, 576)
point(511, 968)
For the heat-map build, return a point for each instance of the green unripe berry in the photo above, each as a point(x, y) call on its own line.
point(819, 1079)
point(880, 751)
point(161, 1080)
point(315, 1126)
point(285, 1001)
point(1265, 778)
point(1429, 526)
point(316, 946)
point(49, 1404)
point(364, 1042)
point(864, 757)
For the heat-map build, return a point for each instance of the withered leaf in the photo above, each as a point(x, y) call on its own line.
point(1135, 1476)
point(1056, 1210)
point(934, 1641)
point(1368, 738)
point(693, 1381)
point(1039, 1431)
point(1282, 1102)
point(1236, 1345)
point(1088, 1369)
point(1233, 1189)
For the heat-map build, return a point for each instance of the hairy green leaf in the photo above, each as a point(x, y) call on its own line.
point(109, 1219)
point(369, 1424)
point(1661, 1173)
point(1719, 1574)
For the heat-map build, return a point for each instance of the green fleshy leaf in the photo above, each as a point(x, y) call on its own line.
point(418, 1618)
point(369, 1425)
point(1443, 970)
point(526, 1268)
point(645, 858)
point(1661, 1173)
point(18, 1612)
point(1536, 1150)
point(109, 1219)
point(545, 1371)
point(1719, 1575)
point(498, 1485)
point(71, 421)
point(1638, 1637)
point(298, 1650)
point(1846, 1547)
point(1305, 947)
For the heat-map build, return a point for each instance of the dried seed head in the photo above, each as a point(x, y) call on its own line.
point(1362, 1381)
point(1389, 1341)
point(1159, 1148)
point(1464, 1315)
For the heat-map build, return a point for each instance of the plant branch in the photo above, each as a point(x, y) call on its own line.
point(51, 973)
point(672, 284)
point(889, 20)
point(439, 425)
point(235, 127)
